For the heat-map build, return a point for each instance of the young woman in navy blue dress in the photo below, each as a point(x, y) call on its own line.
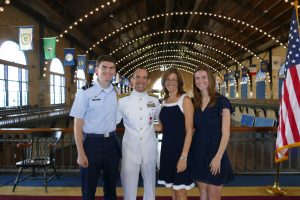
point(176, 123)
point(210, 165)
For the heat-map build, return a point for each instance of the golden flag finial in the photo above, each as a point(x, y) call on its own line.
point(297, 18)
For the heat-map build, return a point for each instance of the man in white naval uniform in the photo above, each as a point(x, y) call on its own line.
point(139, 147)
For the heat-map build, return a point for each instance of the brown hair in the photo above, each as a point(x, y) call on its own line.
point(107, 58)
point(179, 81)
point(142, 68)
point(211, 88)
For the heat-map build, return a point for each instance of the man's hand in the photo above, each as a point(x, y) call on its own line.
point(82, 160)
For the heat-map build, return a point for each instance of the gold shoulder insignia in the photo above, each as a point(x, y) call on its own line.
point(124, 95)
point(152, 95)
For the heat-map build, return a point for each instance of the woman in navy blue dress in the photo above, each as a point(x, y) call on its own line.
point(176, 123)
point(210, 165)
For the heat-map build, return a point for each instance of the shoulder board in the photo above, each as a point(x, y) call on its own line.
point(87, 86)
point(152, 95)
point(124, 95)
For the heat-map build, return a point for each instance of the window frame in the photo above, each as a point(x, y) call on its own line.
point(58, 95)
point(22, 100)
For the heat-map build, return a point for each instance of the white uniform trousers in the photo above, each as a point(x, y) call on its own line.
point(130, 177)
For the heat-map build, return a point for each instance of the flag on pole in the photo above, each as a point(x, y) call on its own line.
point(69, 56)
point(81, 61)
point(252, 68)
point(49, 48)
point(288, 133)
point(91, 66)
point(26, 38)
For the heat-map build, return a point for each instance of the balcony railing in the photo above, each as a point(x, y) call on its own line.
point(250, 149)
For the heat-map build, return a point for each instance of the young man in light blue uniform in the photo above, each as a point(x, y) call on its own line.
point(94, 111)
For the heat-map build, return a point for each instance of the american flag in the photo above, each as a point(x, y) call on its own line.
point(288, 133)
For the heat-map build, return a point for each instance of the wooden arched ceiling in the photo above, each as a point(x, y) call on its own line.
point(135, 31)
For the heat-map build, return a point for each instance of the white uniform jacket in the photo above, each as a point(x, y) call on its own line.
point(138, 110)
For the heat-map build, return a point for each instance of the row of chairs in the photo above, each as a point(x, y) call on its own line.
point(252, 121)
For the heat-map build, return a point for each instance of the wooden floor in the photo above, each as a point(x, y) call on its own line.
point(160, 191)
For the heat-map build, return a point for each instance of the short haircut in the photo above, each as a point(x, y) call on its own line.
point(107, 58)
point(142, 68)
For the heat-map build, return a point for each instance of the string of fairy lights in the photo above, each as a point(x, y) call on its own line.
point(186, 65)
point(3, 4)
point(182, 43)
point(108, 3)
point(178, 66)
point(167, 57)
point(83, 18)
point(153, 17)
point(157, 65)
point(172, 51)
point(149, 18)
point(185, 31)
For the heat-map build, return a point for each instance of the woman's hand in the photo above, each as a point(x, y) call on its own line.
point(181, 165)
point(215, 166)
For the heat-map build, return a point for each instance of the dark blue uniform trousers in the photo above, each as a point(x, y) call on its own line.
point(103, 155)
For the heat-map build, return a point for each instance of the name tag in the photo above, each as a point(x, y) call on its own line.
point(150, 104)
point(96, 99)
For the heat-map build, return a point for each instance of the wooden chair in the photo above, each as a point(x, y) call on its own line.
point(38, 153)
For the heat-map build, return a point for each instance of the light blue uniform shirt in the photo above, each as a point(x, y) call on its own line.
point(97, 107)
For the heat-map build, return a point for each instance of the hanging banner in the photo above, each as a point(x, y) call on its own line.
point(49, 48)
point(260, 76)
point(91, 66)
point(225, 77)
point(231, 76)
point(244, 80)
point(237, 74)
point(281, 71)
point(69, 56)
point(276, 62)
point(81, 61)
point(264, 66)
point(252, 69)
point(26, 38)
point(244, 72)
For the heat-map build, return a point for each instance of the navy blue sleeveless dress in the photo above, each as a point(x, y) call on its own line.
point(205, 144)
point(173, 122)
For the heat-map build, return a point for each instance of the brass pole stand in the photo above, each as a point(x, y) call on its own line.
point(275, 189)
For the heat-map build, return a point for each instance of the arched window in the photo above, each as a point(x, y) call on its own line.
point(13, 76)
point(80, 78)
point(57, 82)
point(157, 88)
